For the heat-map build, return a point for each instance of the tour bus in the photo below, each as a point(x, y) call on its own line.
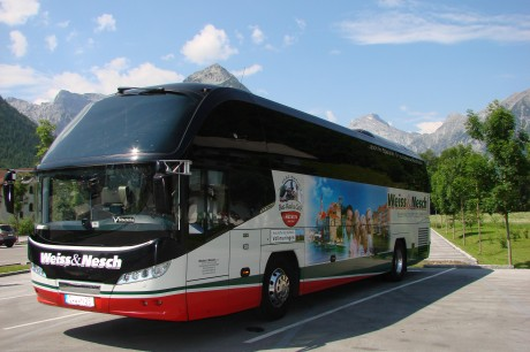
point(186, 201)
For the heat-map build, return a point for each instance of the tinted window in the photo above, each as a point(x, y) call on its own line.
point(301, 146)
point(121, 125)
point(231, 134)
point(251, 191)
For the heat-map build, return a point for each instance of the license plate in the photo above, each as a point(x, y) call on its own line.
point(81, 301)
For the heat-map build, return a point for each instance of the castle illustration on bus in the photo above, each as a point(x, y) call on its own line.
point(186, 201)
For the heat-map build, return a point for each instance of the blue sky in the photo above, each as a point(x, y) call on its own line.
point(412, 62)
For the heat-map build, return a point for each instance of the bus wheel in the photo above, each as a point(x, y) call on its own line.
point(277, 290)
point(399, 262)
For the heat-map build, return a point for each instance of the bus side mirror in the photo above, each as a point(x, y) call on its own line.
point(9, 190)
point(162, 193)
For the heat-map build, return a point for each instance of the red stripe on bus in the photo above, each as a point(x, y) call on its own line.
point(318, 285)
point(179, 307)
point(171, 307)
point(204, 304)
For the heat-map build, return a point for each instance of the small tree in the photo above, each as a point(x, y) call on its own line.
point(509, 151)
point(479, 171)
point(45, 132)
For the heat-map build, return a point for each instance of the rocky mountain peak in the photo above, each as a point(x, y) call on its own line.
point(216, 75)
point(376, 118)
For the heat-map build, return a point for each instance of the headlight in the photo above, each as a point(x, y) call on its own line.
point(37, 270)
point(144, 274)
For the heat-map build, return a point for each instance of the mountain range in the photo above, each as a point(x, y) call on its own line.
point(67, 105)
point(452, 132)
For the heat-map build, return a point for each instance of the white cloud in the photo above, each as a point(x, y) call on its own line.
point(258, 37)
point(240, 37)
point(44, 18)
point(15, 12)
point(209, 45)
point(105, 22)
point(63, 24)
point(390, 3)
point(248, 71)
point(19, 43)
point(168, 57)
point(17, 76)
point(51, 42)
point(143, 75)
point(114, 74)
point(330, 116)
point(72, 35)
point(271, 47)
point(431, 23)
point(301, 23)
point(289, 40)
point(37, 86)
point(429, 127)
point(71, 81)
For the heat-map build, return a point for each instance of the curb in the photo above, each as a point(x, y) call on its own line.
point(10, 273)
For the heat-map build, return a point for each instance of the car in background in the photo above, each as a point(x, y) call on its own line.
point(8, 237)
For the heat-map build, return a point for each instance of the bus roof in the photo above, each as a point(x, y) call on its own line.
point(102, 139)
point(237, 94)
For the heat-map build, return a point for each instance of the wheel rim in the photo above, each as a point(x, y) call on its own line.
point(399, 262)
point(279, 286)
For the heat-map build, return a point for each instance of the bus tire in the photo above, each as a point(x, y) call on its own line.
point(277, 291)
point(399, 262)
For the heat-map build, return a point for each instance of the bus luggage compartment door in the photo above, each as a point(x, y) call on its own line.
point(244, 271)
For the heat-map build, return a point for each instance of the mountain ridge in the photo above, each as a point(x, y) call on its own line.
point(19, 141)
point(452, 132)
point(67, 105)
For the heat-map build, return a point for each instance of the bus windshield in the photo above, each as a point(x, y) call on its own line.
point(123, 127)
point(104, 205)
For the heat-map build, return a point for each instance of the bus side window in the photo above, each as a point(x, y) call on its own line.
point(208, 210)
point(250, 192)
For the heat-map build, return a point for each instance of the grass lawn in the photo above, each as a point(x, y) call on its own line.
point(494, 250)
point(12, 268)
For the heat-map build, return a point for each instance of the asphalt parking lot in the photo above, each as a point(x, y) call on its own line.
point(435, 309)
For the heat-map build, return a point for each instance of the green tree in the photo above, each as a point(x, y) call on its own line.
point(20, 192)
point(45, 132)
point(431, 161)
point(451, 186)
point(508, 148)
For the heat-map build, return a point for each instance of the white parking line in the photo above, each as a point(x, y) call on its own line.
point(351, 304)
point(46, 320)
point(13, 297)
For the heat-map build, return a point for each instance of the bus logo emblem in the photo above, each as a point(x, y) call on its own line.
point(290, 195)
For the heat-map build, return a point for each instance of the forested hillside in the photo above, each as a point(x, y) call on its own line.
point(18, 140)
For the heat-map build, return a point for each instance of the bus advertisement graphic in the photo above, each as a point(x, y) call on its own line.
point(350, 221)
point(345, 220)
point(290, 196)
